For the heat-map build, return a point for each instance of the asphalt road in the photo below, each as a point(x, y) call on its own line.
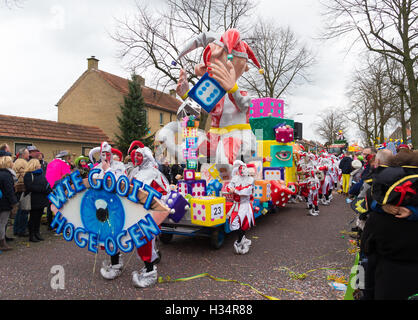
point(283, 242)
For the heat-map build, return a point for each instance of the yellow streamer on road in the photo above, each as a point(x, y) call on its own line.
point(202, 275)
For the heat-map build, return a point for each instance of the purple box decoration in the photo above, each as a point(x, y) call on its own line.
point(189, 174)
point(265, 107)
point(196, 188)
point(178, 206)
point(273, 173)
point(284, 134)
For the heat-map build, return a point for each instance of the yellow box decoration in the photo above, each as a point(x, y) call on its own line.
point(208, 211)
point(263, 149)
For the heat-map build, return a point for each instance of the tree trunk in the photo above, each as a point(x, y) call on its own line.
point(402, 115)
point(413, 93)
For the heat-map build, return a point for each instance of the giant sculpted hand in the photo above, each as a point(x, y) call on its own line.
point(223, 73)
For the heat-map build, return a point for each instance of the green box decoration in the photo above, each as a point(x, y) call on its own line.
point(191, 164)
point(263, 127)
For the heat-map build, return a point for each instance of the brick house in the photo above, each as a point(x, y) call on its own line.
point(49, 137)
point(95, 98)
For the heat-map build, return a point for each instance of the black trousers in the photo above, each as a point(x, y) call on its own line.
point(34, 223)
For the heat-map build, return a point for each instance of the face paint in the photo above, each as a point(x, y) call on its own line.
point(106, 156)
point(139, 158)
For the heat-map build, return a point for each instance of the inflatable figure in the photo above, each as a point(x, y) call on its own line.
point(225, 59)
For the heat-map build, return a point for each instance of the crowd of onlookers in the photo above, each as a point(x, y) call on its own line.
point(383, 190)
point(27, 175)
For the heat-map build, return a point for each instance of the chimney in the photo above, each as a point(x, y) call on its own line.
point(173, 92)
point(92, 63)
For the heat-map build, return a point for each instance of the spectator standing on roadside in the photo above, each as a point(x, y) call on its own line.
point(21, 219)
point(38, 186)
point(8, 200)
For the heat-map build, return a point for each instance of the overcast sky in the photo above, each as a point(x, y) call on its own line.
point(45, 44)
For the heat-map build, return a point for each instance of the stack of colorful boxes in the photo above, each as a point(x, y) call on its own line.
point(274, 136)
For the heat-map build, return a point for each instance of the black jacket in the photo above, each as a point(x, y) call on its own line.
point(8, 196)
point(36, 183)
point(345, 165)
point(392, 244)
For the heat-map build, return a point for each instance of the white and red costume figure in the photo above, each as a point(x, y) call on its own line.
point(225, 59)
point(145, 169)
point(326, 182)
point(241, 214)
point(107, 163)
point(313, 186)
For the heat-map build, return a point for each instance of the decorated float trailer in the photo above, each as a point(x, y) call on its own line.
point(200, 205)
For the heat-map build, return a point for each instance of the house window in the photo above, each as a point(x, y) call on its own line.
point(21, 145)
point(161, 119)
point(86, 150)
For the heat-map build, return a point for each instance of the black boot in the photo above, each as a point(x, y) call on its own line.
point(37, 230)
point(32, 237)
point(31, 228)
point(38, 236)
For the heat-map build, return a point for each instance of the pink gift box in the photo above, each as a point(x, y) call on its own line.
point(284, 134)
point(264, 107)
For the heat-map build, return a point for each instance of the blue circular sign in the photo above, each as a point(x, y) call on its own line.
point(102, 213)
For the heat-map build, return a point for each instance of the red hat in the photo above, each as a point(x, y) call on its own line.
point(403, 146)
point(230, 41)
point(133, 147)
point(118, 153)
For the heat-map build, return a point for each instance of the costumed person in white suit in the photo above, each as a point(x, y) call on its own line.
point(145, 169)
point(113, 268)
point(313, 185)
point(225, 58)
point(241, 214)
point(107, 163)
point(326, 183)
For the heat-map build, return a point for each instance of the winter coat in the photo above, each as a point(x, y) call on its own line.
point(36, 183)
point(345, 165)
point(8, 198)
point(19, 167)
point(392, 244)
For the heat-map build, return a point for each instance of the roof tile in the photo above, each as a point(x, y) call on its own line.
point(20, 127)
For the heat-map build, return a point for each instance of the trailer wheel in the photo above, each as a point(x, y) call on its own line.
point(166, 237)
point(217, 238)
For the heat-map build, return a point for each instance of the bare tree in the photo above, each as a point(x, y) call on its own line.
point(374, 99)
point(151, 41)
point(388, 27)
point(12, 3)
point(329, 123)
point(285, 60)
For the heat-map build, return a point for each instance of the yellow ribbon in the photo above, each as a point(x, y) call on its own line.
point(227, 129)
point(202, 275)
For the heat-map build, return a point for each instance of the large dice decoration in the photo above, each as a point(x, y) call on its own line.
point(280, 194)
point(196, 188)
point(284, 134)
point(264, 107)
point(208, 211)
point(262, 190)
point(178, 206)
